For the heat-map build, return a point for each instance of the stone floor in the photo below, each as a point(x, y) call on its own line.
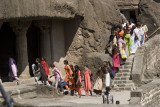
point(31, 100)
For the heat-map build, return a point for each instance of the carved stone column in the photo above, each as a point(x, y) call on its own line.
point(45, 46)
point(20, 29)
point(57, 41)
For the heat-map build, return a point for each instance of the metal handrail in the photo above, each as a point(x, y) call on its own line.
point(152, 33)
point(8, 100)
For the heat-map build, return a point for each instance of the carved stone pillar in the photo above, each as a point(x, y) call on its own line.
point(20, 29)
point(45, 46)
point(57, 41)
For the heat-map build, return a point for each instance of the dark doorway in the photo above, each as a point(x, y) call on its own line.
point(7, 48)
point(33, 45)
point(133, 16)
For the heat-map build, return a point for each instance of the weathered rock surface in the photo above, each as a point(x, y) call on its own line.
point(87, 23)
point(146, 61)
point(150, 14)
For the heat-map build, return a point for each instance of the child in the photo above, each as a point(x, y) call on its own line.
point(107, 97)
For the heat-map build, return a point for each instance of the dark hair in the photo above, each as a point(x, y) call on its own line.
point(44, 58)
point(65, 61)
point(139, 24)
point(76, 67)
point(117, 102)
point(133, 27)
point(86, 66)
point(71, 67)
point(52, 65)
point(37, 59)
point(108, 88)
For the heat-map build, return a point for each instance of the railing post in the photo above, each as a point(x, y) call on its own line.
point(8, 101)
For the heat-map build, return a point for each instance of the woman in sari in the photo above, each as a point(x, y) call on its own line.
point(45, 68)
point(128, 41)
point(87, 80)
point(98, 84)
point(116, 61)
point(78, 85)
point(69, 77)
point(43, 75)
point(13, 70)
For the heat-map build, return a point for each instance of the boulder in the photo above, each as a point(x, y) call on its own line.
point(150, 14)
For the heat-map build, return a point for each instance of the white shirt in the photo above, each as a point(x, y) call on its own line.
point(123, 25)
point(131, 25)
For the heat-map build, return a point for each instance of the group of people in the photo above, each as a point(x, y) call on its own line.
point(125, 40)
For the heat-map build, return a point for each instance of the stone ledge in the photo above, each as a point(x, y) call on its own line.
point(148, 93)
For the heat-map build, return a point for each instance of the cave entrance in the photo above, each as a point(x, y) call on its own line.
point(32, 45)
point(133, 15)
point(7, 48)
point(130, 14)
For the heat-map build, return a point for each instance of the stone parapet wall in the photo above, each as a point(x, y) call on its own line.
point(147, 95)
point(146, 61)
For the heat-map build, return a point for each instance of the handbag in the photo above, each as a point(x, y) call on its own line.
point(123, 54)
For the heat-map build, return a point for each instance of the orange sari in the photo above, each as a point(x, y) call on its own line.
point(87, 81)
point(68, 77)
point(121, 33)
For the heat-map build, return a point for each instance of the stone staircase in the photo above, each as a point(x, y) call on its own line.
point(122, 79)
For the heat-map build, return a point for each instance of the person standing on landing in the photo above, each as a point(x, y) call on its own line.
point(13, 70)
point(45, 68)
point(78, 85)
point(57, 75)
point(99, 82)
point(69, 77)
point(87, 80)
point(43, 75)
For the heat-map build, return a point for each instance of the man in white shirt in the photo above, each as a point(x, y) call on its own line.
point(131, 24)
point(123, 23)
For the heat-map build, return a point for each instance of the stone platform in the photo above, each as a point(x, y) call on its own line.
point(25, 95)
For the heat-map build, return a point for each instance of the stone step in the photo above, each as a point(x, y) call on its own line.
point(125, 70)
point(128, 63)
point(125, 66)
point(122, 78)
point(124, 81)
point(122, 74)
point(128, 87)
point(21, 81)
point(125, 85)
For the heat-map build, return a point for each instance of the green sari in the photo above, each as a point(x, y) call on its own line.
point(128, 42)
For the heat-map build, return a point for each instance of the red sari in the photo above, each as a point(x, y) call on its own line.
point(45, 68)
point(87, 81)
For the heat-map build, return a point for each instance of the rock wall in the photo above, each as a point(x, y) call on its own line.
point(93, 33)
point(147, 61)
point(147, 95)
point(87, 24)
point(149, 14)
